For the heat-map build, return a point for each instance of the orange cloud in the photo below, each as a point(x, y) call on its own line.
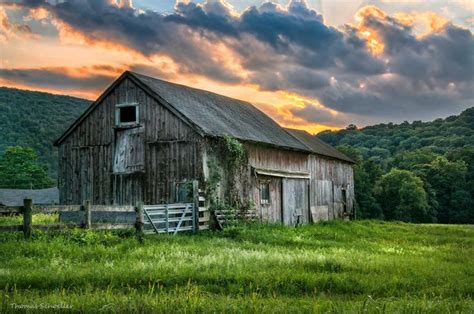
point(372, 38)
point(69, 35)
point(284, 117)
point(38, 14)
point(424, 23)
point(9, 30)
point(90, 95)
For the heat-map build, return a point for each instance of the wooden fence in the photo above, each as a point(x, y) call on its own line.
point(200, 217)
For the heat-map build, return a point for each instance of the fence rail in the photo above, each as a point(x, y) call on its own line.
point(51, 209)
point(179, 217)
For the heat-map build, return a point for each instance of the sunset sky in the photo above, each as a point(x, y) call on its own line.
point(313, 65)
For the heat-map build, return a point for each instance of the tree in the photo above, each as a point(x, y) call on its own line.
point(19, 169)
point(413, 160)
point(402, 197)
point(449, 180)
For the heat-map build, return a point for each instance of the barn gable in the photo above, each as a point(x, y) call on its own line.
point(208, 113)
point(105, 163)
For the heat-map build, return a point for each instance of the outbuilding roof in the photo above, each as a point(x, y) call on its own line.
point(317, 146)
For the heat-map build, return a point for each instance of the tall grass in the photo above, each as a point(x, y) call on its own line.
point(37, 219)
point(364, 266)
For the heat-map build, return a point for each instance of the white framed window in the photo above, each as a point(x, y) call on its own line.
point(265, 193)
point(127, 114)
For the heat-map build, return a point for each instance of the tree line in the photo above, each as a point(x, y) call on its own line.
point(415, 172)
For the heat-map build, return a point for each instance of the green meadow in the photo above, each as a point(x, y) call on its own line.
point(349, 267)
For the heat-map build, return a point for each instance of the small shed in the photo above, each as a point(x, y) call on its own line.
point(144, 138)
point(15, 197)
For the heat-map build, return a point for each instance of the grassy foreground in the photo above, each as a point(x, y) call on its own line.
point(350, 267)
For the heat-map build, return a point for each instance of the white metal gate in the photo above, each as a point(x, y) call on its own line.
point(169, 218)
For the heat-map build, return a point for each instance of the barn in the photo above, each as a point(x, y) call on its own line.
point(144, 139)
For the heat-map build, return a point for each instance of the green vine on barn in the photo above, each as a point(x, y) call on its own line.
point(233, 159)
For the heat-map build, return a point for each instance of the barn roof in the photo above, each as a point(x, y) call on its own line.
point(218, 115)
point(317, 146)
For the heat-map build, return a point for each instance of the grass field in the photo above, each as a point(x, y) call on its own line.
point(349, 267)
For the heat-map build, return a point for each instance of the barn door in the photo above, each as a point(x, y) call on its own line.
point(129, 151)
point(295, 201)
point(269, 198)
point(128, 166)
point(322, 200)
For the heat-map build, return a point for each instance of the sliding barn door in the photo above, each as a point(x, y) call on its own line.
point(295, 201)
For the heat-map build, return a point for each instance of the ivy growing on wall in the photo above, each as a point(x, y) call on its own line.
point(232, 156)
point(215, 177)
point(233, 153)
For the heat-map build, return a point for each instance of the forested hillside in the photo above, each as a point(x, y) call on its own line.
point(36, 119)
point(420, 171)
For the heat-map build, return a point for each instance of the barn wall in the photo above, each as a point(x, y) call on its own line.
point(328, 178)
point(277, 159)
point(168, 149)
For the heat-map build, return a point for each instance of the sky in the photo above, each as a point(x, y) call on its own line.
point(312, 65)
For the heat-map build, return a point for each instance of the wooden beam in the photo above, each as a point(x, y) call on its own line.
point(27, 217)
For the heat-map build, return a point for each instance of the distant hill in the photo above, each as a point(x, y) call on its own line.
point(382, 142)
point(438, 154)
point(36, 119)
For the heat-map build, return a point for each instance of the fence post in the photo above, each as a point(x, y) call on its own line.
point(27, 217)
point(139, 221)
point(167, 217)
point(87, 215)
point(195, 205)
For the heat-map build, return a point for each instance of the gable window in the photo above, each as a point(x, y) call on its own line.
point(264, 193)
point(127, 114)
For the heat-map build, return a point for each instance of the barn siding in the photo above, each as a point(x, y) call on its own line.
point(86, 157)
point(328, 177)
point(277, 159)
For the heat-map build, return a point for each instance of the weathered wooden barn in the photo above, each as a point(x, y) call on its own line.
point(144, 137)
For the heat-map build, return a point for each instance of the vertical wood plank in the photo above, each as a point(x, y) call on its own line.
point(195, 205)
point(139, 221)
point(87, 214)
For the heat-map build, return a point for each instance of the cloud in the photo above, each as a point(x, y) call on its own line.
point(383, 66)
point(10, 30)
point(85, 78)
